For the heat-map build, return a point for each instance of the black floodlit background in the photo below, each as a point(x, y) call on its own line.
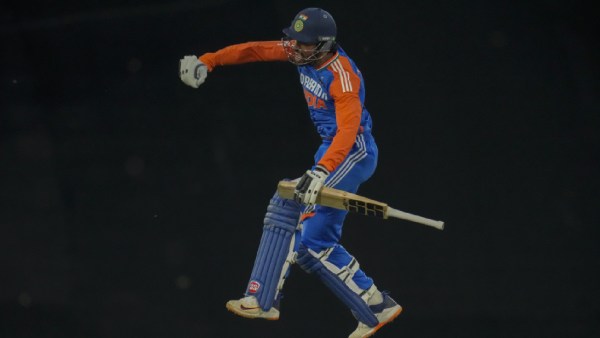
point(131, 205)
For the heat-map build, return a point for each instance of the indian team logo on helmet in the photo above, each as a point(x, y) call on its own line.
point(298, 25)
point(253, 286)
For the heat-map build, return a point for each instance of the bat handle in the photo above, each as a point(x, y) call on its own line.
point(414, 218)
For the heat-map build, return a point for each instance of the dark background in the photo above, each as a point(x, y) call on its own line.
point(131, 205)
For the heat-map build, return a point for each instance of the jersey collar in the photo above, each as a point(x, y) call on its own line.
point(333, 58)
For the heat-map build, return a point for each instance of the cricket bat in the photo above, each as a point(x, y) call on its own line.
point(343, 200)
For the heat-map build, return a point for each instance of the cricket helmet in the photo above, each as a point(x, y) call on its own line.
point(312, 26)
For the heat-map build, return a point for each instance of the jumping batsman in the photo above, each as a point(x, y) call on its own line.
point(299, 231)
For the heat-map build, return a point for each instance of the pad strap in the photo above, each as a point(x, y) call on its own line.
point(339, 281)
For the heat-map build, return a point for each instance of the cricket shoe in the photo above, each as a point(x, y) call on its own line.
point(385, 312)
point(248, 307)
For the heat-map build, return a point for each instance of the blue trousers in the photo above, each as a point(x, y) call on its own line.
point(323, 228)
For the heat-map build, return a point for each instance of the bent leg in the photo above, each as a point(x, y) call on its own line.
point(323, 230)
point(320, 252)
point(340, 281)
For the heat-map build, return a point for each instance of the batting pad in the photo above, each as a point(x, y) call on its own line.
point(275, 251)
point(339, 281)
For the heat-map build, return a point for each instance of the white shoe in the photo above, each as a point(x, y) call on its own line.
point(388, 311)
point(248, 307)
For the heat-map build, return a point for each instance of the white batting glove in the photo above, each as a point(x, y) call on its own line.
point(310, 185)
point(191, 71)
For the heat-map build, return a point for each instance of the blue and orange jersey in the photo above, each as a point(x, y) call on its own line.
point(334, 92)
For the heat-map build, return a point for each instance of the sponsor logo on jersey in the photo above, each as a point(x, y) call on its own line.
point(253, 286)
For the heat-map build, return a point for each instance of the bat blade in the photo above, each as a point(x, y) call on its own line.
point(343, 200)
point(339, 199)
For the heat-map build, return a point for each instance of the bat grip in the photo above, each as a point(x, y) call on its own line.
point(414, 218)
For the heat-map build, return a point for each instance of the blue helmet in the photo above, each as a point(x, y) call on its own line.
point(313, 26)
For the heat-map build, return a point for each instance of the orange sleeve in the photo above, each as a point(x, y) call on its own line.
point(348, 110)
point(244, 53)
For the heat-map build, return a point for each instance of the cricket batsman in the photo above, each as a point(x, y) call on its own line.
point(298, 230)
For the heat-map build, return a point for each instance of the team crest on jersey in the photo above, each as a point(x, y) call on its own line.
point(253, 286)
point(298, 25)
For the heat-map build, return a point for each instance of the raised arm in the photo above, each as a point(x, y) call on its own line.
point(245, 53)
point(193, 70)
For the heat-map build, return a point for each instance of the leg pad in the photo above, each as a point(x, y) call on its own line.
point(276, 242)
point(339, 281)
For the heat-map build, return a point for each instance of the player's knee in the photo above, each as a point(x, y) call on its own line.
point(283, 213)
point(305, 260)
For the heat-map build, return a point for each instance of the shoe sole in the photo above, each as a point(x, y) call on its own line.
point(380, 325)
point(232, 308)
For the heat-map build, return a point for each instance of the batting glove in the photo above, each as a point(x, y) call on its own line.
point(310, 185)
point(191, 71)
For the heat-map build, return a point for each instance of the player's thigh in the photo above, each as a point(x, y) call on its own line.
point(350, 176)
point(324, 228)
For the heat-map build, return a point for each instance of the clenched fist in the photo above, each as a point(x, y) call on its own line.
point(191, 71)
